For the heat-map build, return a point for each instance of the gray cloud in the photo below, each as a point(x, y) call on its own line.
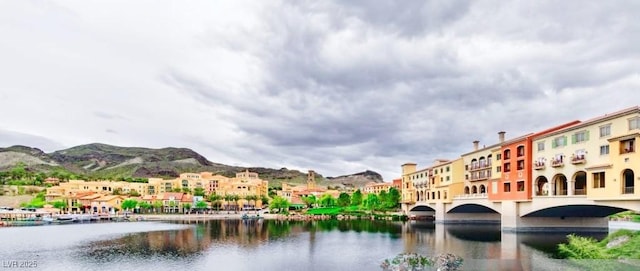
point(334, 86)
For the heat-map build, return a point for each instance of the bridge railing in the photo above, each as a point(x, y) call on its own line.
point(471, 196)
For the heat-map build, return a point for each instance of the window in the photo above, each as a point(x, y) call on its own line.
point(447, 169)
point(521, 165)
point(598, 180)
point(578, 137)
point(634, 123)
point(466, 167)
point(627, 146)
point(498, 156)
point(520, 185)
point(605, 130)
point(520, 151)
point(498, 168)
point(507, 154)
point(507, 187)
point(466, 176)
point(540, 146)
point(448, 178)
point(604, 149)
point(559, 142)
point(507, 167)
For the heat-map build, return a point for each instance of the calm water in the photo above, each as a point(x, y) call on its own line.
point(269, 245)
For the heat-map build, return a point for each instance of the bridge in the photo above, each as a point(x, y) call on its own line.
point(541, 213)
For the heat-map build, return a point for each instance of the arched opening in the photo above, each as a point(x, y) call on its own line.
point(482, 162)
point(483, 189)
point(474, 190)
point(542, 186)
point(474, 163)
point(520, 151)
point(560, 185)
point(417, 196)
point(438, 194)
point(489, 160)
point(580, 183)
point(628, 177)
point(507, 154)
point(466, 190)
point(421, 195)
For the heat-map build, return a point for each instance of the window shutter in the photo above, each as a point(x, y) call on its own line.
point(554, 143)
point(564, 141)
point(573, 139)
point(586, 136)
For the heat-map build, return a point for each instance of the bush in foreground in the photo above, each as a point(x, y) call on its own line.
point(417, 262)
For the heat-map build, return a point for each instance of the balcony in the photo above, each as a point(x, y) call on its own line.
point(629, 190)
point(580, 191)
point(538, 165)
point(479, 166)
point(483, 175)
point(472, 196)
point(578, 159)
point(557, 163)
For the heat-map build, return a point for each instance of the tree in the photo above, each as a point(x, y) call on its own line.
point(201, 205)
point(145, 205)
point(129, 204)
point(117, 191)
point(371, 202)
point(393, 198)
point(251, 200)
point(186, 207)
point(60, 204)
point(134, 193)
point(344, 199)
point(356, 198)
point(198, 191)
point(264, 199)
point(18, 171)
point(157, 205)
point(327, 200)
point(186, 190)
point(309, 200)
point(279, 204)
point(176, 190)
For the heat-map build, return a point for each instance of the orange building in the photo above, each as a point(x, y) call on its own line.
point(516, 167)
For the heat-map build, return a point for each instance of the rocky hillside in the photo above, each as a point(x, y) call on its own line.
point(111, 162)
point(356, 180)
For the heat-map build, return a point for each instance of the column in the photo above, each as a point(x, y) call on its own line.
point(571, 186)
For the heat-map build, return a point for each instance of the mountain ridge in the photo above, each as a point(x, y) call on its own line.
point(103, 161)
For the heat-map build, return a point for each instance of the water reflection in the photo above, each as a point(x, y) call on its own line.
point(279, 245)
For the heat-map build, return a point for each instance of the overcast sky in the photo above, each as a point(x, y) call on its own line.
point(335, 86)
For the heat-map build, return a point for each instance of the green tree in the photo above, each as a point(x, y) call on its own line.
point(157, 205)
point(18, 172)
point(186, 207)
point(327, 200)
point(251, 200)
point(201, 205)
point(129, 204)
point(176, 190)
point(344, 199)
point(60, 204)
point(393, 198)
point(372, 202)
point(186, 190)
point(117, 191)
point(279, 204)
point(264, 199)
point(198, 191)
point(356, 198)
point(145, 206)
point(309, 200)
point(39, 178)
point(134, 193)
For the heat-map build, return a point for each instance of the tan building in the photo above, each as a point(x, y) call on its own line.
point(376, 188)
point(437, 183)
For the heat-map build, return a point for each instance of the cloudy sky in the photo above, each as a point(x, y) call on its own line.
point(335, 86)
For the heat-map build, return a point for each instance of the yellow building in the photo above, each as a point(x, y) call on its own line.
point(480, 168)
point(597, 158)
point(438, 183)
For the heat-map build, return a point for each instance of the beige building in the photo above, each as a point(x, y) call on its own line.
point(437, 183)
point(376, 188)
point(597, 158)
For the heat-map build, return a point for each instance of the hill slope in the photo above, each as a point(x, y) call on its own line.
point(102, 161)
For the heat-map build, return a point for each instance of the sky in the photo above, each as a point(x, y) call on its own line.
point(335, 86)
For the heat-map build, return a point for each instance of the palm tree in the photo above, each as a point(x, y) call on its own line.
point(228, 198)
point(251, 200)
point(215, 200)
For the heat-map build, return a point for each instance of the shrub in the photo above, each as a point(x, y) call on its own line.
point(416, 262)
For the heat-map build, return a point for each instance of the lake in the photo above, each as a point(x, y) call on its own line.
point(270, 245)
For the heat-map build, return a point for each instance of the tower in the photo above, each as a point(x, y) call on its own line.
point(311, 179)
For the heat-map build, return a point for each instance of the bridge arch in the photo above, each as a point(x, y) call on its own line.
point(577, 210)
point(472, 208)
point(422, 208)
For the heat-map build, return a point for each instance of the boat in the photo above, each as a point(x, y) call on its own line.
point(65, 219)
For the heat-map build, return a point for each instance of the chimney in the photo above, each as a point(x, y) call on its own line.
point(475, 145)
point(501, 136)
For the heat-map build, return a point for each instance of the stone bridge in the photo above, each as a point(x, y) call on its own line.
point(539, 214)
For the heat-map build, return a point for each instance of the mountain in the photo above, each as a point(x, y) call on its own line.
point(357, 179)
point(102, 161)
